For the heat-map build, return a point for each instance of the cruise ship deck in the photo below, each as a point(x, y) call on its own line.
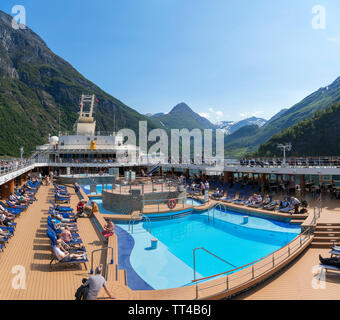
point(30, 248)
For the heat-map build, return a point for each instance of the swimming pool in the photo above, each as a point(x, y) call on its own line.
point(171, 263)
point(99, 188)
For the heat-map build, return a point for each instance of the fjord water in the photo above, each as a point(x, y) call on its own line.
point(235, 243)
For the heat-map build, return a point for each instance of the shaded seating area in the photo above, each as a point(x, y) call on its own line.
point(249, 195)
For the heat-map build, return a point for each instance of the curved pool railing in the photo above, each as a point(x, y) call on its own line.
point(247, 273)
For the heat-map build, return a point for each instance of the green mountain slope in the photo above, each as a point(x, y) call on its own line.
point(35, 83)
point(317, 136)
point(318, 100)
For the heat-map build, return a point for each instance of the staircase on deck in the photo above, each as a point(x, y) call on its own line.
point(326, 234)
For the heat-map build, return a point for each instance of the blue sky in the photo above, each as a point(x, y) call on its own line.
point(225, 59)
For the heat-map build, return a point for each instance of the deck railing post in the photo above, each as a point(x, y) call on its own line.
point(252, 271)
point(196, 287)
point(273, 261)
point(227, 282)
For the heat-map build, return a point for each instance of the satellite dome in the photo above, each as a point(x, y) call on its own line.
point(54, 140)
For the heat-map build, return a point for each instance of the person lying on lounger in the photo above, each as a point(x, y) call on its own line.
point(61, 226)
point(218, 193)
point(3, 238)
point(58, 216)
point(5, 233)
point(66, 196)
point(64, 256)
point(284, 204)
point(2, 209)
point(335, 262)
point(6, 220)
point(272, 204)
point(267, 200)
point(70, 246)
point(66, 234)
point(256, 199)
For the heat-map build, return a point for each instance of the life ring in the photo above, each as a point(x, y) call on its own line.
point(172, 203)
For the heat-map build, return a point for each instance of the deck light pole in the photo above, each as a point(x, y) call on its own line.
point(284, 147)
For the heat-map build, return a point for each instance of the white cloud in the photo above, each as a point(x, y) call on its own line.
point(246, 115)
point(212, 115)
point(332, 39)
point(205, 115)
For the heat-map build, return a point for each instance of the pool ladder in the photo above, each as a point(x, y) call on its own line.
point(134, 218)
point(218, 205)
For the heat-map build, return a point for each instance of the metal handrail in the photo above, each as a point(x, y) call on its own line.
point(136, 214)
point(101, 249)
point(289, 245)
point(214, 255)
point(220, 205)
point(134, 217)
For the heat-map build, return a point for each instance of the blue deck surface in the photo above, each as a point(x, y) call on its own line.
point(125, 246)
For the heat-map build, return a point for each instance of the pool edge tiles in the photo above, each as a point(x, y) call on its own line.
point(158, 267)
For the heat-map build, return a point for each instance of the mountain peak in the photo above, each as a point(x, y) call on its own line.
point(181, 107)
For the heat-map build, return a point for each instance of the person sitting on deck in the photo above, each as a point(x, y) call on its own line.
point(335, 261)
point(95, 284)
point(64, 256)
point(80, 208)
point(94, 209)
point(109, 230)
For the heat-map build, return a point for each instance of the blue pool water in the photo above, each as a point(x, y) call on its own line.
point(193, 202)
point(171, 263)
point(99, 188)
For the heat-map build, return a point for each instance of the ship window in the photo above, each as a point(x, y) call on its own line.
point(95, 138)
point(88, 139)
